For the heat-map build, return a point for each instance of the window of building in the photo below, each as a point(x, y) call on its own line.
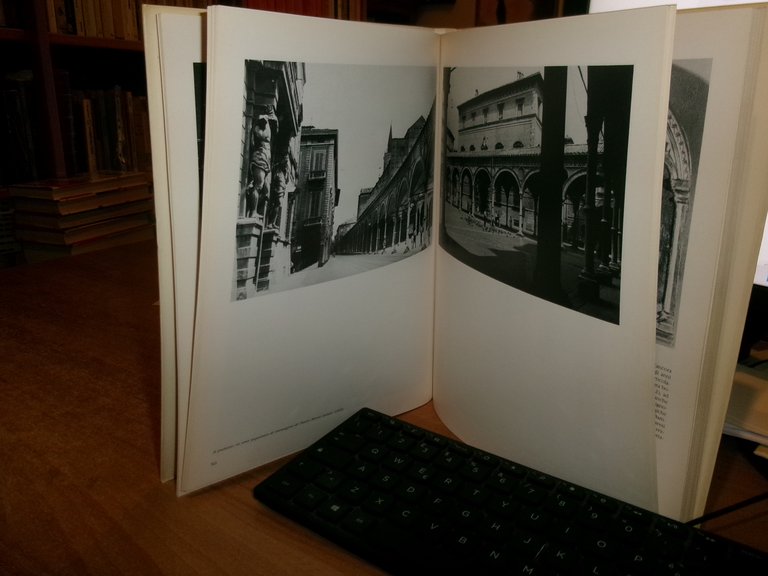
point(318, 162)
point(314, 207)
point(519, 102)
point(485, 115)
point(500, 107)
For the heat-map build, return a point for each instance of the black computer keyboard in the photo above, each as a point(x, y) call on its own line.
point(414, 502)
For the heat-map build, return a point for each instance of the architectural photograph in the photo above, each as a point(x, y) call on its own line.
point(336, 172)
point(689, 89)
point(534, 178)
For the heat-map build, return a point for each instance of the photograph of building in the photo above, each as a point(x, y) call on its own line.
point(534, 179)
point(336, 172)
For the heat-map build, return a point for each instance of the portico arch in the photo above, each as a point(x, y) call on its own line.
point(676, 189)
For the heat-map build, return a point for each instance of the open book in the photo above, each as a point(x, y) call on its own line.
point(391, 215)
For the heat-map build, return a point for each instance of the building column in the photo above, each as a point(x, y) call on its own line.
point(681, 197)
point(546, 275)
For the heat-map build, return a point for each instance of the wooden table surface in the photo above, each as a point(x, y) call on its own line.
point(79, 438)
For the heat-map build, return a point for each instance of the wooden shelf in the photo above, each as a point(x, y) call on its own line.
point(97, 43)
point(13, 35)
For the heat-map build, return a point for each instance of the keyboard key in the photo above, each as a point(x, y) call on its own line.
point(359, 522)
point(347, 441)
point(496, 530)
point(332, 456)
point(384, 479)
point(378, 502)
point(425, 450)
point(447, 482)
point(310, 497)
point(397, 461)
point(333, 510)
point(306, 469)
point(401, 442)
point(404, 514)
point(354, 491)
point(422, 472)
point(286, 485)
point(560, 559)
point(330, 480)
point(373, 452)
point(475, 470)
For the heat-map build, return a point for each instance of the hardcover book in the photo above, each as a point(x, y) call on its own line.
point(472, 217)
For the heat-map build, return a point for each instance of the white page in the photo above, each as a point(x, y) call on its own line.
point(542, 384)
point(181, 37)
point(611, 5)
point(274, 371)
point(165, 248)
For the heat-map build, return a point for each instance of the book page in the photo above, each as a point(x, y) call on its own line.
point(545, 289)
point(711, 222)
point(316, 263)
point(168, 138)
point(182, 52)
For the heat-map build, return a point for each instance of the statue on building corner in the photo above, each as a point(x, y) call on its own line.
point(260, 163)
point(282, 174)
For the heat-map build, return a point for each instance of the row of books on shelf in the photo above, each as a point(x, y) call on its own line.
point(121, 19)
point(83, 213)
point(102, 129)
point(116, 19)
point(340, 9)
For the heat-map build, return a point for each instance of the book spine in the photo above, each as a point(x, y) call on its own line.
point(118, 23)
point(107, 19)
point(129, 122)
point(65, 17)
point(50, 6)
point(90, 136)
point(119, 143)
point(66, 119)
point(79, 18)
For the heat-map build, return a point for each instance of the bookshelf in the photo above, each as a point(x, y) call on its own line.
point(43, 59)
point(72, 107)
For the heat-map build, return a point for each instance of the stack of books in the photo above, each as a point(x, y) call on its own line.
point(81, 214)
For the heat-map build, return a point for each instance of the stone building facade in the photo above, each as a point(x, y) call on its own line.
point(496, 170)
point(685, 128)
point(272, 117)
point(316, 197)
point(395, 215)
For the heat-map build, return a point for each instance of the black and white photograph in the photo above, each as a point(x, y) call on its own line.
point(336, 172)
point(534, 179)
point(689, 89)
